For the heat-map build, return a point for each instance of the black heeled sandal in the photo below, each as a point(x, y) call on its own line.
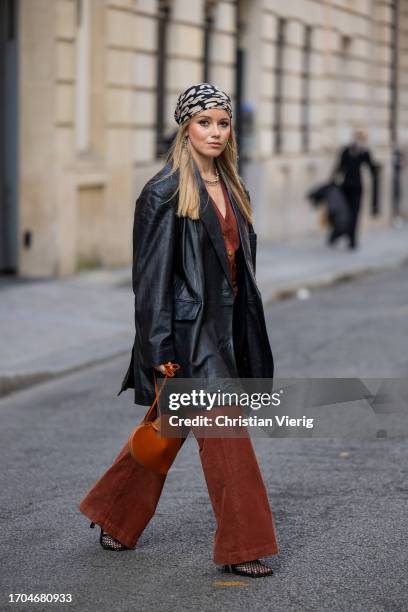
point(108, 542)
point(251, 569)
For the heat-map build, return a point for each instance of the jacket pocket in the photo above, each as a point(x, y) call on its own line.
point(185, 310)
point(227, 298)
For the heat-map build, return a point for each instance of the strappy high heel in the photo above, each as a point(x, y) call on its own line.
point(251, 569)
point(108, 542)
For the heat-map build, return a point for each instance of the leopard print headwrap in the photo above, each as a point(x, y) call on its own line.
point(198, 98)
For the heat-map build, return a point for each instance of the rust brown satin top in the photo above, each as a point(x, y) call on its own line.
point(230, 232)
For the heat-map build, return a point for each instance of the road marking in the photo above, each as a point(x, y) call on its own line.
point(230, 583)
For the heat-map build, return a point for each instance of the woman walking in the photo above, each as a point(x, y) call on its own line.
point(197, 304)
point(347, 175)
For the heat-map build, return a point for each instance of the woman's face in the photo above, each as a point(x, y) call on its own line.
point(209, 128)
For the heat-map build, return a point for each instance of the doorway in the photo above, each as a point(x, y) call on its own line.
point(8, 136)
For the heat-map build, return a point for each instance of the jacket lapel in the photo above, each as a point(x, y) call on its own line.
point(242, 227)
point(244, 237)
point(210, 220)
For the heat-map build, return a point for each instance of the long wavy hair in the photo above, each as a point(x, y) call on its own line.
point(188, 189)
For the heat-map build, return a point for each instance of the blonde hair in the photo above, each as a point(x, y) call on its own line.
point(182, 160)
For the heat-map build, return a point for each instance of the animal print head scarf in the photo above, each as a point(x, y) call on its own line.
point(198, 98)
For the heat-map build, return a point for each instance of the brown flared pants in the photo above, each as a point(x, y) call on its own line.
point(124, 499)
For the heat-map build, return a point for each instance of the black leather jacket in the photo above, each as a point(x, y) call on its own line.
point(184, 306)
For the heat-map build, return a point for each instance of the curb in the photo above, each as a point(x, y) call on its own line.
point(291, 290)
point(11, 383)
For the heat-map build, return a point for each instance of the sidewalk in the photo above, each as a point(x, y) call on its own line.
point(51, 327)
point(285, 267)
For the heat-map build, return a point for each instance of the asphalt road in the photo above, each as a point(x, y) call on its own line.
point(340, 506)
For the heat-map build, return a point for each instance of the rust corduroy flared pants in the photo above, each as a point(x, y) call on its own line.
point(124, 499)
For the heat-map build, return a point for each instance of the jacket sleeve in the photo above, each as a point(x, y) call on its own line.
point(154, 237)
point(368, 160)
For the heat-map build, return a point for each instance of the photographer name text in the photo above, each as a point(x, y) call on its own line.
point(223, 420)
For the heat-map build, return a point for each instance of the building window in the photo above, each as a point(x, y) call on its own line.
point(305, 100)
point(83, 76)
point(279, 50)
point(10, 24)
point(394, 73)
point(343, 90)
point(208, 29)
point(163, 19)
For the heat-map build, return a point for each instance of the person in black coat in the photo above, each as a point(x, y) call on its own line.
point(197, 304)
point(348, 176)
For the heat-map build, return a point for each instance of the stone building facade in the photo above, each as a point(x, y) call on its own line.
point(96, 83)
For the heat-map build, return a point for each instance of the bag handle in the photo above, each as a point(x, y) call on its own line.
point(170, 368)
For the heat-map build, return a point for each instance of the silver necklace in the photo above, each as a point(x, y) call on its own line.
point(214, 182)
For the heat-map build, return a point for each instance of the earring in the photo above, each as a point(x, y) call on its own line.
point(185, 141)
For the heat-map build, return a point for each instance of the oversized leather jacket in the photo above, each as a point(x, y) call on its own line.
point(184, 304)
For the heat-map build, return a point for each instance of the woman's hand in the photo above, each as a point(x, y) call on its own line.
point(168, 369)
point(161, 369)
